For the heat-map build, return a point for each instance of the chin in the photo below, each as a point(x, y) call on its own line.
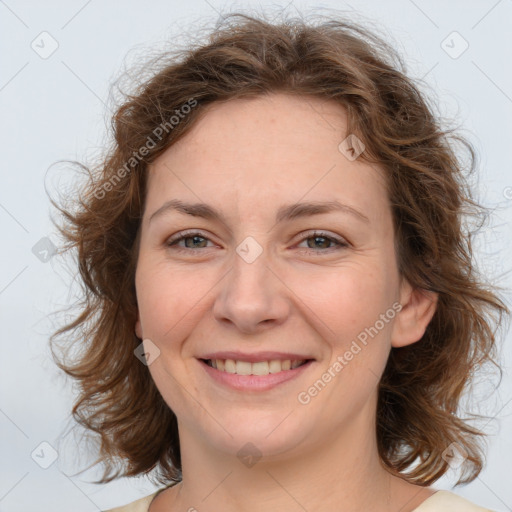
point(258, 435)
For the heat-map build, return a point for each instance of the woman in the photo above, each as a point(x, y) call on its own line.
point(282, 311)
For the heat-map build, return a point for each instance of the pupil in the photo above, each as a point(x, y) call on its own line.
point(194, 239)
point(316, 238)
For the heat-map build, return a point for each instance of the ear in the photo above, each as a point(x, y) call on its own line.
point(138, 326)
point(418, 308)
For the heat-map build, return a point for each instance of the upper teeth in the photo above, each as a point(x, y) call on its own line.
point(259, 368)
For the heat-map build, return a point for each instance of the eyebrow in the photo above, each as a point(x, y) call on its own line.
point(284, 213)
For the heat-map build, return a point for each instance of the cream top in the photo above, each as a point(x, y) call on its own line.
point(441, 501)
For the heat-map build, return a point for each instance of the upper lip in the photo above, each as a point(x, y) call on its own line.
point(256, 357)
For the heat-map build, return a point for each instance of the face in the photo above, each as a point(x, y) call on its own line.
point(267, 279)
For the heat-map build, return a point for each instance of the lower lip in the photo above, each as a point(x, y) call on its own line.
point(254, 382)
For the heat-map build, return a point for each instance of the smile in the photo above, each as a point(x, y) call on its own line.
point(258, 368)
point(256, 376)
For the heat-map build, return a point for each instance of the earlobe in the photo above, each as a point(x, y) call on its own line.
point(418, 308)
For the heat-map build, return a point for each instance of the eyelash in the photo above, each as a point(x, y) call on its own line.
point(315, 234)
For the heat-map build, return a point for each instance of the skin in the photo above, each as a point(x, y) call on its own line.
point(247, 157)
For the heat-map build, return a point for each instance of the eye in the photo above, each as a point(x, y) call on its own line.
point(321, 241)
point(192, 240)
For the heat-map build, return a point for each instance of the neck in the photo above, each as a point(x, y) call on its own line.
point(343, 470)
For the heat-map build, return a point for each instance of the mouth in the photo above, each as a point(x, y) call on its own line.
point(260, 368)
point(256, 376)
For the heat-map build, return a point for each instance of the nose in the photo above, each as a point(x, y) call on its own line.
point(252, 296)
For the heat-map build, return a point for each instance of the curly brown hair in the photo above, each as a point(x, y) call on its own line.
point(431, 201)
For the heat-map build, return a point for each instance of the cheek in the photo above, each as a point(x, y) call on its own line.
point(170, 300)
point(356, 304)
point(339, 301)
point(347, 299)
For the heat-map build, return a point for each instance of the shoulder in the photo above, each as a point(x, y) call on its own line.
point(140, 505)
point(447, 501)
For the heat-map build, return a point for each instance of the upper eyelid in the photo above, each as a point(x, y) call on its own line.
point(188, 233)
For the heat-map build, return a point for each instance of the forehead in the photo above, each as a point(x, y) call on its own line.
point(274, 148)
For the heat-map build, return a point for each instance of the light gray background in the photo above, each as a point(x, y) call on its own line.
point(53, 109)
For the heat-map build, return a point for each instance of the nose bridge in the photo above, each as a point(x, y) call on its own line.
point(251, 295)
